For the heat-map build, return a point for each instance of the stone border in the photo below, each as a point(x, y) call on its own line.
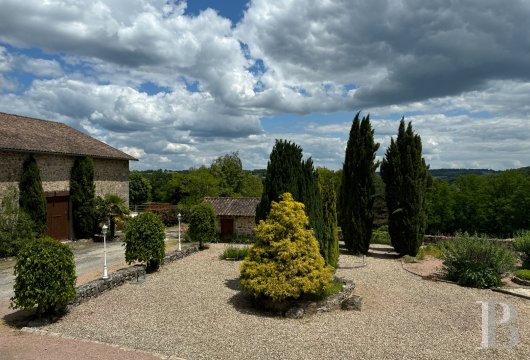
point(344, 300)
point(520, 281)
point(95, 288)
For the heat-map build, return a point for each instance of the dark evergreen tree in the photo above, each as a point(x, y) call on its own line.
point(82, 196)
point(330, 238)
point(357, 191)
point(31, 195)
point(287, 172)
point(284, 170)
point(407, 180)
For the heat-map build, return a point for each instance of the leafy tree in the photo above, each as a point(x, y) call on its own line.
point(357, 192)
point(159, 180)
point(441, 216)
point(144, 240)
point(407, 180)
point(285, 262)
point(139, 188)
point(111, 208)
point(16, 227)
point(31, 195)
point(330, 240)
point(82, 196)
point(252, 185)
point(229, 170)
point(202, 223)
point(44, 276)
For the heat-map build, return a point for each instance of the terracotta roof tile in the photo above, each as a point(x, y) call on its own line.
point(20, 133)
point(240, 206)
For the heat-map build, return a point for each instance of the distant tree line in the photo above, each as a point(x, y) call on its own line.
point(224, 177)
point(497, 204)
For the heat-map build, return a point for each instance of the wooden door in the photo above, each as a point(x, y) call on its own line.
point(227, 228)
point(58, 225)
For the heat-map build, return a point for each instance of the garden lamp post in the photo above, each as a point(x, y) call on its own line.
point(179, 216)
point(104, 232)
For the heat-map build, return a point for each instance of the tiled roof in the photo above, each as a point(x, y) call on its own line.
point(20, 133)
point(240, 206)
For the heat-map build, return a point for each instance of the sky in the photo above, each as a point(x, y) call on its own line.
point(179, 83)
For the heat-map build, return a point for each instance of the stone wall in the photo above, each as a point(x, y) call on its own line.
point(137, 272)
point(111, 176)
point(243, 225)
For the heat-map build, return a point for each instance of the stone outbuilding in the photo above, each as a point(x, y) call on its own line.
point(55, 147)
point(235, 216)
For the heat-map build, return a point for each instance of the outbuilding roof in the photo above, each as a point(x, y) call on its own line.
point(25, 134)
point(233, 206)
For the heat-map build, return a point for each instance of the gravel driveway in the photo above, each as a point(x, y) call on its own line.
point(193, 309)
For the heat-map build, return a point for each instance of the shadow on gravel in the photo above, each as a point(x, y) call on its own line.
point(30, 318)
point(243, 302)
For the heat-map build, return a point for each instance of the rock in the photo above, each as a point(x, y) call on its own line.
point(355, 302)
point(295, 313)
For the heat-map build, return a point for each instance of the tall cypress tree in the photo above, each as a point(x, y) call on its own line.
point(283, 174)
point(407, 180)
point(357, 190)
point(330, 239)
point(82, 195)
point(31, 199)
point(287, 172)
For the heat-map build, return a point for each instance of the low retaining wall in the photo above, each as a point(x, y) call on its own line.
point(95, 288)
point(433, 239)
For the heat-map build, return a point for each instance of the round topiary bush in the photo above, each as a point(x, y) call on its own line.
point(202, 223)
point(144, 240)
point(44, 276)
point(285, 262)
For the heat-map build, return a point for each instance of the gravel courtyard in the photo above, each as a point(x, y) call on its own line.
point(193, 309)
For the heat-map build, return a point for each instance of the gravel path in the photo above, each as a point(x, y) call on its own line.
point(193, 309)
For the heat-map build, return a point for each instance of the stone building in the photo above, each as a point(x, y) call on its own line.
point(55, 146)
point(235, 216)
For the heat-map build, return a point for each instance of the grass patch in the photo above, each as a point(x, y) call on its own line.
point(330, 289)
point(429, 250)
point(523, 274)
point(233, 252)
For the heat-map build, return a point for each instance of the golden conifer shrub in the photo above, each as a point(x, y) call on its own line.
point(285, 262)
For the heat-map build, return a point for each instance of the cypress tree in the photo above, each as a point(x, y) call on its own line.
point(284, 170)
point(357, 191)
point(310, 196)
point(287, 172)
point(406, 177)
point(330, 239)
point(82, 195)
point(31, 199)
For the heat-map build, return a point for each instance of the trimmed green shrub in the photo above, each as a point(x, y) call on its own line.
point(144, 240)
point(16, 227)
point(476, 261)
point(523, 274)
point(521, 243)
point(31, 195)
point(202, 223)
point(82, 196)
point(233, 252)
point(44, 276)
point(285, 262)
